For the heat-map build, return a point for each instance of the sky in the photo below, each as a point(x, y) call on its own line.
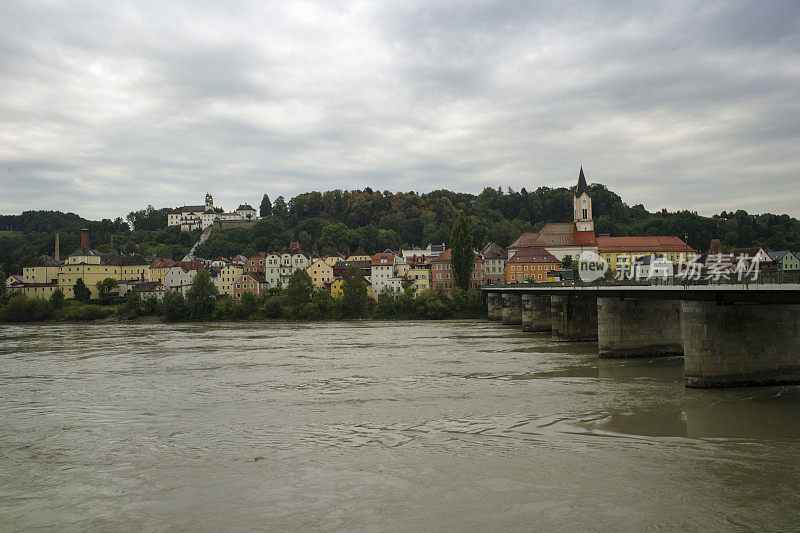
point(106, 107)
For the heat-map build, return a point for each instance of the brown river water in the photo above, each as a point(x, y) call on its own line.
point(373, 426)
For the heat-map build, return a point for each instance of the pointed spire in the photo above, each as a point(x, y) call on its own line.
point(581, 188)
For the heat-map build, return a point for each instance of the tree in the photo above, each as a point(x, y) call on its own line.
point(248, 305)
point(273, 307)
point(133, 304)
point(57, 299)
point(174, 306)
point(354, 292)
point(81, 291)
point(201, 297)
point(280, 209)
point(462, 255)
point(2, 286)
point(568, 263)
point(105, 287)
point(266, 207)
point(299, 288)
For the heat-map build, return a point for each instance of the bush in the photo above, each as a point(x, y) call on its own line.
point(20, 308)
point(57, 299)
point(86, 312)
point(174, 307)
point(273, 308)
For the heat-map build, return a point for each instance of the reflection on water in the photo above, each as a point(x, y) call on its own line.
point(454, 425)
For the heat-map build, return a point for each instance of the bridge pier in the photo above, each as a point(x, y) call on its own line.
point(638, 328)
point(574, 318)
point(739, 344)
point(494, 303)
point(512, 309)
point(536, 313)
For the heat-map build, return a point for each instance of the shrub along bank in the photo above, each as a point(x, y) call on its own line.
point(297, 302)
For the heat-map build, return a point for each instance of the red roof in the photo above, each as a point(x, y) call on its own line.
point(186, 266)
point(383, 259)
point(556, 234)
point(649, 244)
point(532, 254)
point(163, 263)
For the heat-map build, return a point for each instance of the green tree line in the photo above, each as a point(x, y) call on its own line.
point(343, 220)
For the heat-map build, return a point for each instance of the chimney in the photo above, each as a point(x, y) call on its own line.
point(57, 250)
point(84, 238)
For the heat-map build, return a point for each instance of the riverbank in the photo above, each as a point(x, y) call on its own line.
point(427, 305)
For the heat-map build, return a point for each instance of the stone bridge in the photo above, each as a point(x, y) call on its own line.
point(729, 334)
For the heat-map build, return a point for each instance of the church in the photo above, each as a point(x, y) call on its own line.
point(191, 217)
point(565, 238)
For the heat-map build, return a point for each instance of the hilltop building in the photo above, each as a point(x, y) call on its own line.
point(191, 217)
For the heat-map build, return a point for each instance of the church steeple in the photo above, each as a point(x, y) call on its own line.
point(581, 188)
point(582, 205)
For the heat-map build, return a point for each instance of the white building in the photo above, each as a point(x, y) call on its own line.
point(179, 278)
point(381, 271)
point(191, 217)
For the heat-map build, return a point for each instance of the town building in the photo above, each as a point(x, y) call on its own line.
point(158, 269)
point(531, 265)
point(226, 279)
point(494, 264)
point(785, 261)
point(253, 282)
point(359, 255)
point(321, 273)
point(151, 289)
point(621, 252)
point(429, 252)
point(420, 277)
point(179, 278)
point(292, 258)
point(654, 266)
point(565, 238)
point(382, 270)
point(442, 272)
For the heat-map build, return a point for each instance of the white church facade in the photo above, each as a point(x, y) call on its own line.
point(191, 217)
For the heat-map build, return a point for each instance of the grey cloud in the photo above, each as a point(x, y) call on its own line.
point(126, 104)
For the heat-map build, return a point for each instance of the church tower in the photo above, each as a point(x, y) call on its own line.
point(582, 206)
point(209, 202)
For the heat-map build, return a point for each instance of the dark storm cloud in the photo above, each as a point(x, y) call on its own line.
point(107, 106)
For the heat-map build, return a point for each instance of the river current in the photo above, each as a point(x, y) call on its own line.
point(369, 426)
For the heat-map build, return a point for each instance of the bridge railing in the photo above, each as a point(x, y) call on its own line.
point(772, 278)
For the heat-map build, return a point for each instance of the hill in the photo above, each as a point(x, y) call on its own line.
point(376, 220)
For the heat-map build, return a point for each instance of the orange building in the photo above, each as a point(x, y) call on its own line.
point(442, 272)
point(253, 282)
point(255, 264)
point(530, 264)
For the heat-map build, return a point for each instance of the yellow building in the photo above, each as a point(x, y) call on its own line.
point(158, 270)
point(359, 255)
point(332, 259)
point(621, 252)
point(41, 274)
point(321, 273)
point(38, 290)
point(420, 278)
point(336, 287)
point(92, 267)
point(227, 277)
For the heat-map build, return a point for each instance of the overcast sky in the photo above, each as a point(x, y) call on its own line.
point(106, 107)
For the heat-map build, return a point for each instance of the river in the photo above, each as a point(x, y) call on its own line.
point(457, 425)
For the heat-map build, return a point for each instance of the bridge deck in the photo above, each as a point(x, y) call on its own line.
point(725, 292)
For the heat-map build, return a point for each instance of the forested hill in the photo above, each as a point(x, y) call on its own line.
point(342, 220)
